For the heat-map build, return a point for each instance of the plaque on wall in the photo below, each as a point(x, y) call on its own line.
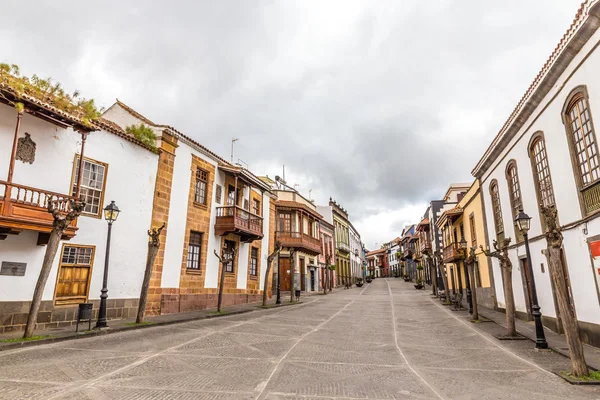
point(13, 268)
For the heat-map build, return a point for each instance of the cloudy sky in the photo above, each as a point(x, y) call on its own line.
point(379, 104)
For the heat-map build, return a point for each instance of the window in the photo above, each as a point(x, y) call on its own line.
point(499, 224)
point(231, 196)
point(472, 230)
point(256, 207)
point(583, 139)
point(285, 222)
point(200, 188)
point(194, 251)
point(74, 274)
point(219, 194)
point(541, 171)
point(229, 248)
point(514, 190)
point(246, 204)
point(253, 261)
point(92, 185)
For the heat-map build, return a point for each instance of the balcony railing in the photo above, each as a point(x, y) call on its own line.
point(407, 254)
point(343, 247)
point(26, 208)
point(300, 241)
point(236, 220)
point(452, 252)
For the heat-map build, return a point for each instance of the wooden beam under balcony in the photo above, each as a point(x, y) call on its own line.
point(26, 208)
point(236, 220)
point(300, 241)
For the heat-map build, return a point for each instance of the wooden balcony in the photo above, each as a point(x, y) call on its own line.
point(300, 241)
point(407, 254)
point(236, 220)
point(26, 208)
point(452, 253)
point(424, 244)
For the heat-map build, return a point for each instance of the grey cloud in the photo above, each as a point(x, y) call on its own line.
point(368, 102)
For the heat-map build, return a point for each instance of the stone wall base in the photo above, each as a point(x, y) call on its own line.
point(13, 314)
point(485, 297)
point(175, 303)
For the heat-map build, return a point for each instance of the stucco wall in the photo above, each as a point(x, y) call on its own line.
point(547, 118)
point(129, 181)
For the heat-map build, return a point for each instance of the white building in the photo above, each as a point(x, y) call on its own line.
point(116, 167)
point(547, 152)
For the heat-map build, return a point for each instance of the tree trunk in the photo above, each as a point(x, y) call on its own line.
point(221, 284)
point(445, 280)
point(60, 224)
point(51, 249)
point(153, 246)
point(473, 290)
point(569, 322)
point(432, 276)
point(509, 299)
point(269, 265)
point(292, 275)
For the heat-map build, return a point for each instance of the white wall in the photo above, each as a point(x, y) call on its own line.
point(130, 182)
point(547, 118)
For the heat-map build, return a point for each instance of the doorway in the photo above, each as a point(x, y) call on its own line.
point(302, 275)
point(312, 280)
point(284, 271)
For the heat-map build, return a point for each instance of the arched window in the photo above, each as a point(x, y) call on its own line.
point(514, 190)
point(541, 170)
point(584, 149)
point(494, 192)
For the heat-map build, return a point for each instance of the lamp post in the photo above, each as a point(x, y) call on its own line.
point(111, 212)
point(523, 223)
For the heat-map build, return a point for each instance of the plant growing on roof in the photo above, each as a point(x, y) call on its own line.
point(14, 88)
point(142, 133)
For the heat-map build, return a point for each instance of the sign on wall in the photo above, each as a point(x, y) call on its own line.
point(595, 253)
point(13, 268)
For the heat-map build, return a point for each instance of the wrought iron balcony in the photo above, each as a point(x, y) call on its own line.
point(300, 241)
point(344, 247)
point(452, 252)
point(26, 208)
point(236, 220)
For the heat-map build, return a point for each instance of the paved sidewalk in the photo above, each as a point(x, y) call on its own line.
point(117, 325)
point(557, 342)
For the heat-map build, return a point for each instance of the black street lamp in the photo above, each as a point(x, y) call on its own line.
point(523, 223)
point(111, 212)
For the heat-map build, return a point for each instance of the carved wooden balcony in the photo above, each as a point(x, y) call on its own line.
point(452, 253)
point(300, 241)
point(236, 220)
point(26, 208)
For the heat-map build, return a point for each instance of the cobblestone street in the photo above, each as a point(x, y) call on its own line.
point(383, 341)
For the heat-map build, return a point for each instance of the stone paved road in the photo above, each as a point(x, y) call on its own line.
point(381, 342)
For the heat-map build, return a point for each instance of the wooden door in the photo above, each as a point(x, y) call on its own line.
point(72, 285)
point(302, 276)
point(285, 274)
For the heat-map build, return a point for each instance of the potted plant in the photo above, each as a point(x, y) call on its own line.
point(406, 278)
point(368, 279)
point(359, 282)
point(419, 284)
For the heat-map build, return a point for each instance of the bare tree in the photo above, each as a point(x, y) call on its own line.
point(440, 263)
point(554, 239)
point(292, 273)
point(326, 274)
point(61, 222)
point(224, 258)
point(153, 246)
point(501, 253)
point(470, 262)
point(431, 266)
point(270, 259)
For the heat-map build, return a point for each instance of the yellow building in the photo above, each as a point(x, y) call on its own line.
point(463, 232)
